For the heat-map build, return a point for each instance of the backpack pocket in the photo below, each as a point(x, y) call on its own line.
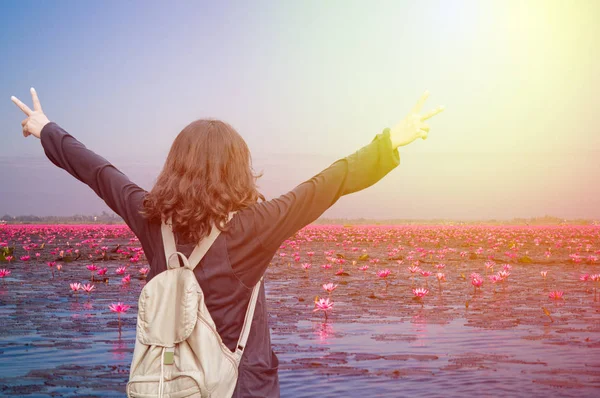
point(179, 385)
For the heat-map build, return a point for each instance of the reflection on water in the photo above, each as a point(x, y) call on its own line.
point(118, 350)
point(324, 331)
point(419, 328)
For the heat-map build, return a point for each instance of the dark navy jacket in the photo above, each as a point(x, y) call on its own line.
point(238, 258)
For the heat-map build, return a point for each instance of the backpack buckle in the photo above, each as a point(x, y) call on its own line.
point(169, 354)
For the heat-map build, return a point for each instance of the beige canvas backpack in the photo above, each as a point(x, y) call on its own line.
point(178, 352)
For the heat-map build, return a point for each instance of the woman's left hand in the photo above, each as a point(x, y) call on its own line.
point(36, 120)
point(413, 126)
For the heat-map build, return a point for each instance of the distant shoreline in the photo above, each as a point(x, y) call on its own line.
point(336, 221)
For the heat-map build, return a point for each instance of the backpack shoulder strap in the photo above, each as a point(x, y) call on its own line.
point(199, 250)
point(168, 239)
point(248, 321)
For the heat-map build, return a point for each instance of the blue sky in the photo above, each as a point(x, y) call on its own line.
point(312, 82)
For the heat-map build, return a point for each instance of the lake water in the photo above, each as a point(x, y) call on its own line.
point(377, 342)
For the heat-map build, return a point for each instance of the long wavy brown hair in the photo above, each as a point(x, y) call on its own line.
point(207, 174)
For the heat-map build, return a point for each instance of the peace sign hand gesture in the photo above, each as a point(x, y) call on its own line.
point(413, 126)
point(36, 120)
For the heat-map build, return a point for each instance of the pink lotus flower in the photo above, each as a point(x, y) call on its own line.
point(75, 286)
point(119, 307)
point(426, 273)
point(37, 255)
point(383, 273)
point(440, 276)
point(88, 287)
point(503, 275)
point(120, 270)
point(440, 266)
point(506, 267)
point(556, 295)
point(489, 264)
point(92, 267)
point(25, 258)
point(339, 271)
point(102, 271)
point(126, 279)
point(306, 266)
point(323, 305)
point(329, 287)
point(584, 277)
point(420, 292)
point(364, 267)
point(475, 275)
point(326, 266)
point(4, 272)
point(477, 282)
point(544, 273)
point(575, 257)
point(9, 258)
point(414, 269)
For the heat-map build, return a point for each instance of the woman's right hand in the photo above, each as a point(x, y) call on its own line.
point(36, 120)
point(413, 126)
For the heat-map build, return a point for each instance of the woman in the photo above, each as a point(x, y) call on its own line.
point(208, 174)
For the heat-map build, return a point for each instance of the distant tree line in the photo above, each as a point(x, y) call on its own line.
point(546, 220)
point(103, 218)
point(113, 218)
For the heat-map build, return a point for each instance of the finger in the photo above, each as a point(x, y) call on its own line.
point(420, 102)
point(433, 113)
point(424, 127)
point(36, 101)
point(24, 122)
point(423, 134)
point(21, 105)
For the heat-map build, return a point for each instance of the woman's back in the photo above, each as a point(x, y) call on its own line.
point(227, 298)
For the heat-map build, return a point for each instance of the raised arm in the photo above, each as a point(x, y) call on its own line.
point(110, 184)
point(66, 152)
point(279, 218)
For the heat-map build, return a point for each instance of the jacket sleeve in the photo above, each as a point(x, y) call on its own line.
point(111, 185)
point(278, 219)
